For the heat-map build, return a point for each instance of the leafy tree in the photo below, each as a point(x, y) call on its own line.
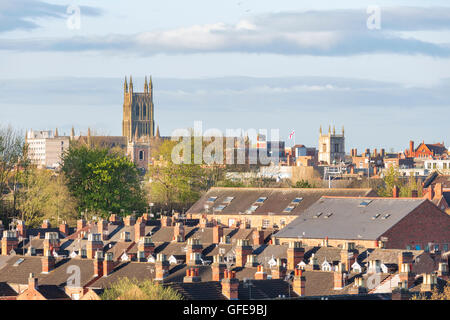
point(174, 185)
point(304, 184)
point(102, 181)
point(436, 295)
point(11, 151)
point(132, 289)
point(392, 178)
point(43, 195)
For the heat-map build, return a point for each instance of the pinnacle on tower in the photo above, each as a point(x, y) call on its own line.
point(56, 132)
point(146, 85)
point(125, 85)
point(136, 135)
point(320, 129)
point(72, 133)
point(157, 132)
point(334, 130)
point(130, 87)
point(343, 130)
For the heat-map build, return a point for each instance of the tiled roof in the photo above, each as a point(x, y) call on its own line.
point(278, 199)
point(345, 218)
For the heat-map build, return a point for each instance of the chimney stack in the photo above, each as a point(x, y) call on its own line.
point(258, 237)
point(299, 284)
point(192, 275)
point(46, 224)
point(146, 245)
point(102, 228)
point(278, 271)
point(217, 234)
point(193, 246)
point(139, 230)
point(129, 220)
point(340, 277)
point(64, 228)
point(349, 255)
point(252, 261)
point(48, 262)
point(359, 286)
point(114, 219)
point(218, 267)
point(32, 282)
point(443, 270)
point(243, 249)
point(108, 264)
point(51, 241)
point(438, 191)
point(230, 285)
point(401, 292)
point(179, 232)
point(81, 223)
point(260, 273)
point(295, 254)
point(21, 229)
point(94, 244)
point(411, 149)
point(395, 192)
point(98, 264)
point(166, 221)
point(428, 283)
point(9, 242)
point(162, 267)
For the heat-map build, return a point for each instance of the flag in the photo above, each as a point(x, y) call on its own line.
point(292, 134)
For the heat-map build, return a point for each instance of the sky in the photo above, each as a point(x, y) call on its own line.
point(379, 68)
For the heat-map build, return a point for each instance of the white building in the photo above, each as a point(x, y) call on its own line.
point(441, 165)
point(45, 148)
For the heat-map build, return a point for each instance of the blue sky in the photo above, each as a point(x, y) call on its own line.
point(232, 64)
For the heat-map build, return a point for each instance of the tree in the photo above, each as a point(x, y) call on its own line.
point(444, 294)
point(132, 289)
point(102, 181)
point(11, 151)
point(175, 186)
point(392, 178)
point(304, 184)
point(44, 195)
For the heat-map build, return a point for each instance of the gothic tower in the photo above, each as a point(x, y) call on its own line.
point(138, 112)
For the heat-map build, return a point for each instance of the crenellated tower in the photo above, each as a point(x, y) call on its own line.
point(138, 112)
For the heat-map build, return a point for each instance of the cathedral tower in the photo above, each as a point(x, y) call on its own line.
point(138, 112)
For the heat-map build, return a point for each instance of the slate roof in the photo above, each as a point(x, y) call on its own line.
point(6, 290)
point(278, 199)
point(349, 220)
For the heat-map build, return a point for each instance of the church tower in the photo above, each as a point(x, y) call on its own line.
point(138, 112)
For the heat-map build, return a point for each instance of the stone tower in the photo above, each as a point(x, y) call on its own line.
point(138, 112)
point(331, 146)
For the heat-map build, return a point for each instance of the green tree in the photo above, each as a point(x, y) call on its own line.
point(304, 184)
point(132, 289)
point(44, 195)
point(102, 181)
point(391, 179)
point(175, 186)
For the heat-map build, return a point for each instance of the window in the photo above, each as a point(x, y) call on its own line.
point(288, 209)
point(141, 155)
point(219, 208)
point(265, 223)
point(137, 111)
point(375, 216)
point(336, 147)
point(365, 203)
point(387, 215)
point(260, 200)
point(297, 200)
point(228, 199)
point(211, 199)
point(418, 247)
point(253, 208)
point(445, 247)
point(324, 148)
point(328, 215)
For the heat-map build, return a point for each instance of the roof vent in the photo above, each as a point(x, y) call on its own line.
point(220, 207)
point(18, 262)
point(289, 209)
point(387, 215)
point(328, 215)
point(376, 216)
point(317, 215)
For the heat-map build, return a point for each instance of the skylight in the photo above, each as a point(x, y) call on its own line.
point(387, 215)
point(219, 208)
point(376, 216)
point(328, 215)
point(253, 208)
point(365, 203)
point(260, 200)
point(228, 199)
point(297, 200)
point(18, 262)
point(211, 199)
point(289, 209)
